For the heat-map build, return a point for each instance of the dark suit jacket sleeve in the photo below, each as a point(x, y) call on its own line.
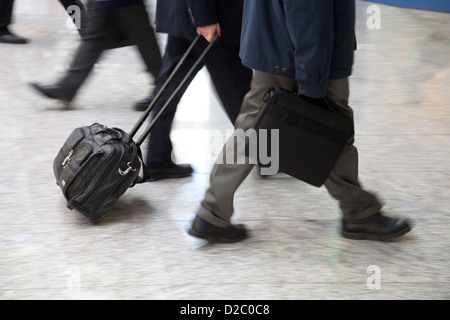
point(310, 27)
point(202, 12)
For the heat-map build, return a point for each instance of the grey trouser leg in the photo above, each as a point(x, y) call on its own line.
point(343, 183)
point(217, 205)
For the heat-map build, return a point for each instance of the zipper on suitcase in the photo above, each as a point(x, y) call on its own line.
point(68, 158)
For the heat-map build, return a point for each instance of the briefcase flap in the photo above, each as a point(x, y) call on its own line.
point(311, 137)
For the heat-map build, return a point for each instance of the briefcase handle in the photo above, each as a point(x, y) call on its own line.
point(174, 94)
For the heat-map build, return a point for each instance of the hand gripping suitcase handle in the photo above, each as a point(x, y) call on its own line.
point(174, 94)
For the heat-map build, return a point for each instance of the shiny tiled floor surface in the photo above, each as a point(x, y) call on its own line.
point(141, 250)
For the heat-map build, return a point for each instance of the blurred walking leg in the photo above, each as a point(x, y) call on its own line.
point(140, 32)
point(6, 36)
point(6, 8)
point(159, 153)
point(83, 14)
point(101, 33)
point(342, 183)
point(217, 206)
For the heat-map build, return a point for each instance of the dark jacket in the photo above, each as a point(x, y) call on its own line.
point(311, 41)
point(180, 18)
point(117, 3)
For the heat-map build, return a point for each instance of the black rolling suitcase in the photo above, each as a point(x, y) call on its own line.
point(311, 137)
point(97, 164)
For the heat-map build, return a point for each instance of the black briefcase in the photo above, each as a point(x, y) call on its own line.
point(311, 137)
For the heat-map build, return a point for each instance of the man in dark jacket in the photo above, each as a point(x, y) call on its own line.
point(182, 20)
point(108, 21)
point(305, 46)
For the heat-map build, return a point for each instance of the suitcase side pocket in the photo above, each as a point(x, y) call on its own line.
point(71, 178)
point(67, 150)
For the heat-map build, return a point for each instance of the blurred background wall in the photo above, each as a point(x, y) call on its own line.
point(437, 5)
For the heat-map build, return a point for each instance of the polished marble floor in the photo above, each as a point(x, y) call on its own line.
point(399, 91)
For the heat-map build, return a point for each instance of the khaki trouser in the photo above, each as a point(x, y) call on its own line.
point(342, 183)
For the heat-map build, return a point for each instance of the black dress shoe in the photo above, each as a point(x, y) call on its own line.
point(12, 39)
point(52, 92)
point(205, 230)
point(376, 227)
point(176, 171)
point(142, 105)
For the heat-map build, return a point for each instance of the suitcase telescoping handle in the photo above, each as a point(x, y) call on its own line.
point(174, 94)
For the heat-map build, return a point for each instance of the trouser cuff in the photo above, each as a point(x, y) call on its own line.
point(375, 207)
point(212, 218)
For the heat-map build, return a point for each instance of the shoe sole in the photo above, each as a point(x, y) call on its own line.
point(65, 101)
point(377, 237)
point(215, 239)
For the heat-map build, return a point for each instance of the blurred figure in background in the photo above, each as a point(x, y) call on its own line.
point(6, 36)
point(182, 20)
point(83, 13)
point(82, 21)
point(108, 21)
point(306, 47)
